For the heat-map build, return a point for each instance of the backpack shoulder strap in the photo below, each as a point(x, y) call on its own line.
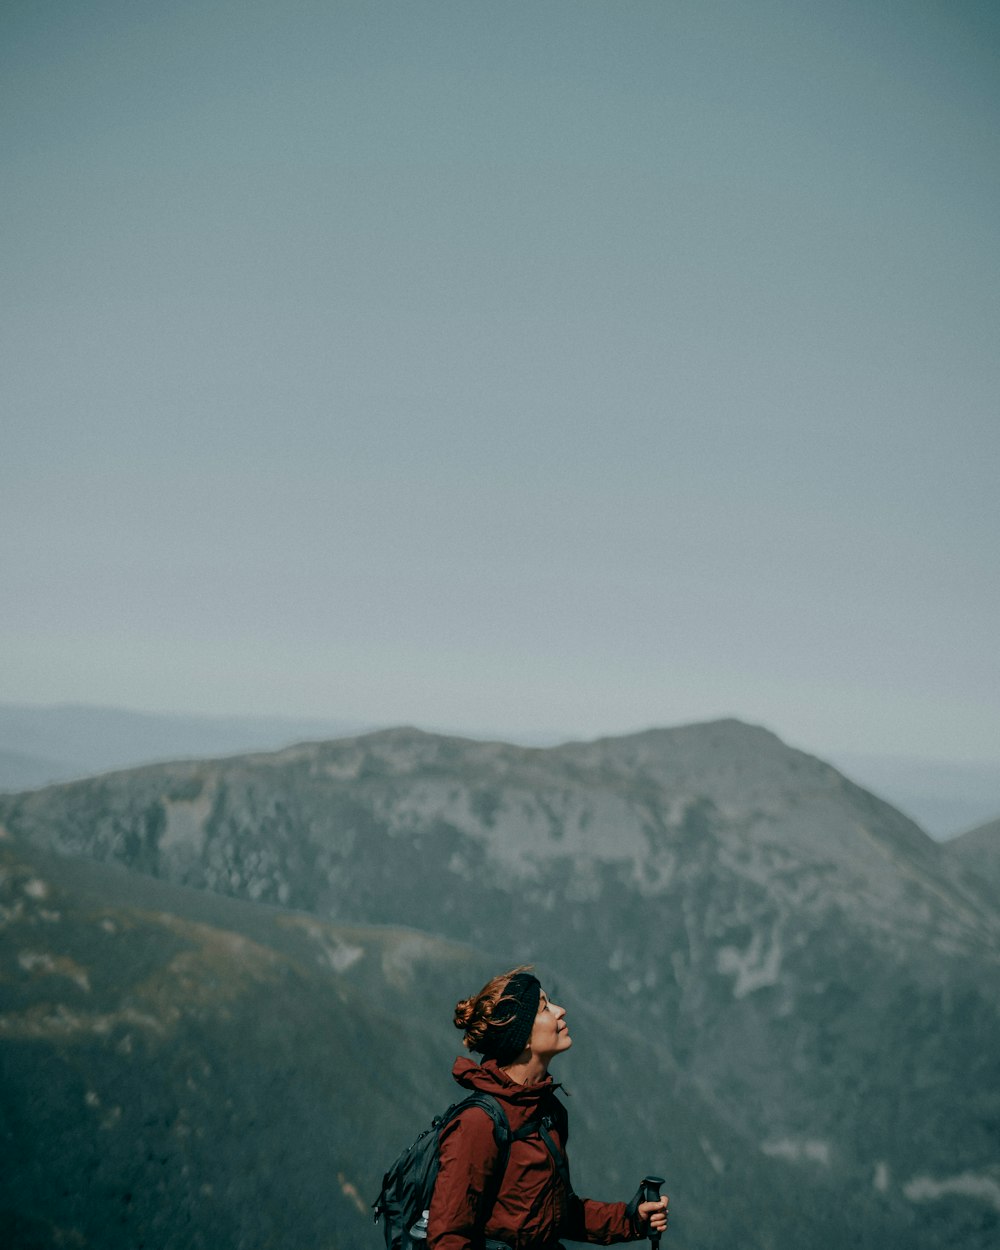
point(558, 1158)
point(492, 1107)
point(501, 1135)
point(553, 1117)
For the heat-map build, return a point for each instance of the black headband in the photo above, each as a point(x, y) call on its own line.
point(513, 1017)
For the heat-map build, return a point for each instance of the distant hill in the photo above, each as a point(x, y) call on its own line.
point(978, 851)
point(19, 771)
point(43, 745)
point(811, 973)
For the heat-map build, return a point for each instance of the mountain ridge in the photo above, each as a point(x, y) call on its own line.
point(45, 744)
point(720, 764)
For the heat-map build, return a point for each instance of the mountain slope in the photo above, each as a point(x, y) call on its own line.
point(805, 963)
point(978, 853)
point(183, 1070)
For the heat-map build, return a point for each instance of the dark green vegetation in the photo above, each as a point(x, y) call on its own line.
point(782, 992)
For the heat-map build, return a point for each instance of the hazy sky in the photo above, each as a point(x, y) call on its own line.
point(523, 366)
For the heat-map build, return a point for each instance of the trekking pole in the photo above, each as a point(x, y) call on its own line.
point(649, 1187)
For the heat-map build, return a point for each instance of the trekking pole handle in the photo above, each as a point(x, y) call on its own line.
point(649, 1186)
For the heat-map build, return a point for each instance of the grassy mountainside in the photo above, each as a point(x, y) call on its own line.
point(182, 1070)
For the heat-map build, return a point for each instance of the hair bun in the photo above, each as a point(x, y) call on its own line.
point(464, 1012)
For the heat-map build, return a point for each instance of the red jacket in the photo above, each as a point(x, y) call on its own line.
point(532, 1210)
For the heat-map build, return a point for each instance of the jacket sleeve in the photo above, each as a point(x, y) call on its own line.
point(600, 1223)
point(468, 1156)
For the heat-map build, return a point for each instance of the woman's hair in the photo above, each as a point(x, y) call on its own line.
point(492, 1008)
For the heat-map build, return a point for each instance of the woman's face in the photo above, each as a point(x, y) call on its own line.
point(549, 1034)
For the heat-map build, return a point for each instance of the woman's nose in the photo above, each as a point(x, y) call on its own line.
point(559, 1012)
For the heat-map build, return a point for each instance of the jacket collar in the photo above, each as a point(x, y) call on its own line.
point(489, 1078)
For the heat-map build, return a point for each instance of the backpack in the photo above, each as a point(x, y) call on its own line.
point(405, 1197)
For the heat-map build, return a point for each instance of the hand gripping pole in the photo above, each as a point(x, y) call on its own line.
point(649, 1187)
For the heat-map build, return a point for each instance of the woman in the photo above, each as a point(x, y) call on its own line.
point(518, 1031)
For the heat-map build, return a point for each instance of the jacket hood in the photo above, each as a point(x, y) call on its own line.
point(488, 1078)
